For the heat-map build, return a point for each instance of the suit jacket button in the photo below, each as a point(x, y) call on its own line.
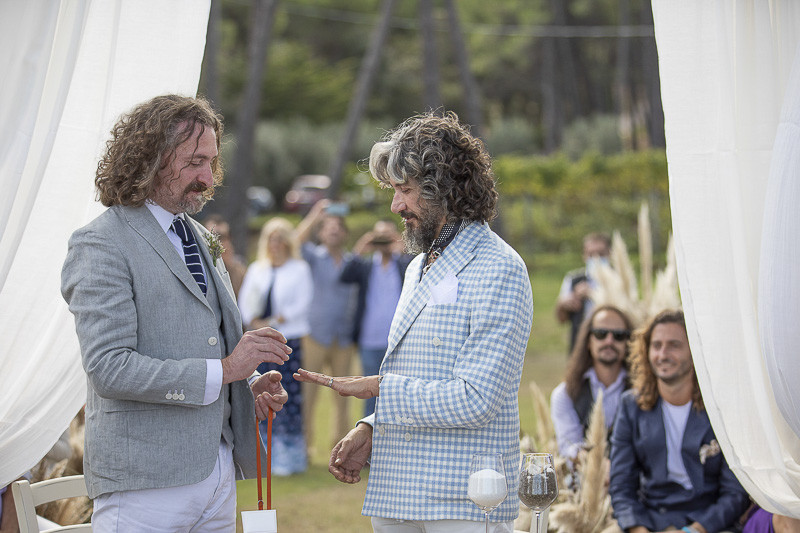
point(437, 341)
point(407, 436)
point(212, 341)
point(168, 396)
point(181, 397)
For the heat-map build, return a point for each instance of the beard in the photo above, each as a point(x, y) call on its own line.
point(419, 237)
point(191, 205)
point(604, 358)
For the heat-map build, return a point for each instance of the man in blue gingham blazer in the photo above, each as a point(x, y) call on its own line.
point(449, 381)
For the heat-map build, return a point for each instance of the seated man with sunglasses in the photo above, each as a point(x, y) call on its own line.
point(597, 363)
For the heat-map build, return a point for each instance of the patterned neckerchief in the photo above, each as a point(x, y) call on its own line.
point(446, 236)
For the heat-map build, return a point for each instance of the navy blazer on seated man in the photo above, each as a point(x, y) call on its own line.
point(640, 492)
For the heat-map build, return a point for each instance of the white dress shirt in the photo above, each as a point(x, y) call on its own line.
point(569, 431)
point(213, 366)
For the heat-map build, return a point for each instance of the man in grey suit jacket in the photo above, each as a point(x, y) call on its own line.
point(448, 385)
point(170, 419)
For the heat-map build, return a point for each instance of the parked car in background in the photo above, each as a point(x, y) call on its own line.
point(306, 190)
point(260, 200)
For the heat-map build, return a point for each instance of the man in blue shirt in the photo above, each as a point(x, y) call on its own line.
point(332, 312)
point(379, 278)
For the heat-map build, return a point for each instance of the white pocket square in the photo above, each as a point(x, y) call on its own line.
point(446, 291)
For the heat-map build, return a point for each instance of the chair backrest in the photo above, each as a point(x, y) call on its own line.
point(27, 497)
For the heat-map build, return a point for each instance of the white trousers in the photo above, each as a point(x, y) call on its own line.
point(205, 507)
point(390, 525)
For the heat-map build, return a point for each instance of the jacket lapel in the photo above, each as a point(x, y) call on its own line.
point(227, 298)
point(653, 431)
point(143, 223)
point(696, 427)
point(416, 293)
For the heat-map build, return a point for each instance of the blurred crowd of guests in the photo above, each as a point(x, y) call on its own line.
point(329, 303)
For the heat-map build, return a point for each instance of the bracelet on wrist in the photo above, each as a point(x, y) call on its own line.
point(689, 529)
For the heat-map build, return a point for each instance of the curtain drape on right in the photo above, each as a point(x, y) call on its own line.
point(727, 71)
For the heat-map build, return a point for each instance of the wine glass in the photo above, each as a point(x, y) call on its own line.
point(538, 486)
point(487, 482)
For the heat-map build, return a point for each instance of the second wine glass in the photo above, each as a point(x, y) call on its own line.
point(538, 486)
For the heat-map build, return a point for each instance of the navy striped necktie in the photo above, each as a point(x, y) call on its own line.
point(191, 252)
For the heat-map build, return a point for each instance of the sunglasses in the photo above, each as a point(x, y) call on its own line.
point(619, 334)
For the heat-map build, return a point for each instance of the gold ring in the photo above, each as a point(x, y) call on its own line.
point(330, 382)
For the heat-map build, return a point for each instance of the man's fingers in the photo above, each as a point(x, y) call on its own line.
point(270, 333)
point(311, 377)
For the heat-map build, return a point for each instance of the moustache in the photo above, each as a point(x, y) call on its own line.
point(196, 187)
point(407, 214)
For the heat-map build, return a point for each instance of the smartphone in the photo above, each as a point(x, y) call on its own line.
point(338, 209)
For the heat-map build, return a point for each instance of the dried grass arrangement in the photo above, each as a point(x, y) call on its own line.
point(617, 284)
point(587, 509)
point(73, 510)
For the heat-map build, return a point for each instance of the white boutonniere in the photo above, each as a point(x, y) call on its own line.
point(215, 247)
point(709, 450)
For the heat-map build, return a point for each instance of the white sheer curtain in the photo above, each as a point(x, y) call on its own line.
point(725, 68)
point(69, 69)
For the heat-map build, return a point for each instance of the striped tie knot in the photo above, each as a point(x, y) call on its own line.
point(191, 252)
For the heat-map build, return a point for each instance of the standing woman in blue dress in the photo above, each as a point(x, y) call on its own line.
point(277, 292)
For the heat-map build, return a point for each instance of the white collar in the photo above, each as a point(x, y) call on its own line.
point(163, 217)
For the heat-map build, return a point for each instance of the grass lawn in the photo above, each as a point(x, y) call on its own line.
point(315, 501)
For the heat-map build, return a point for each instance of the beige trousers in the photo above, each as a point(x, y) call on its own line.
point(334, 360)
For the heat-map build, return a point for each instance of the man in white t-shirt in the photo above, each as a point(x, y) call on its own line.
point(667, 470)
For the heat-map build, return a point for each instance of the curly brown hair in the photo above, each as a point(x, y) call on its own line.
point(580, 359)
point(143, 142)
point(643, 380)
point(452, 167)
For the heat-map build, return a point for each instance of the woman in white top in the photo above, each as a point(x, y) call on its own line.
point(277, 292)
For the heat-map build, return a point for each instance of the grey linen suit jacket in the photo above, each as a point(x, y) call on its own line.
point(145, 331)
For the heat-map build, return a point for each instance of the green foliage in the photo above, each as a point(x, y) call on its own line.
point(514, 135)
point(549, 203)
point(295, 146)
point(599, 133)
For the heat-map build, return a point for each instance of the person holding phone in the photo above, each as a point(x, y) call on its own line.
point(332, 311)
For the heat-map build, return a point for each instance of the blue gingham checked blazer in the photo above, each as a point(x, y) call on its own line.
point(451, 377)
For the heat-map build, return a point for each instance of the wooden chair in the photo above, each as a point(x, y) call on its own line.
point(27, 497)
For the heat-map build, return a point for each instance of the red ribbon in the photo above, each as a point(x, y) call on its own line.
point(269, 462)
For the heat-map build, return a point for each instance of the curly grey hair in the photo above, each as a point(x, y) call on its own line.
point(452, 167)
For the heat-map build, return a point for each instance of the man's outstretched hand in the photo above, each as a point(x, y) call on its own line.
point(362, 387)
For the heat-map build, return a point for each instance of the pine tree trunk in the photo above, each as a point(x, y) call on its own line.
point(472, 96)
point(655, 113)
point(243, 164)
point(366, 75)
point(432, 98)
point(210, 71)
